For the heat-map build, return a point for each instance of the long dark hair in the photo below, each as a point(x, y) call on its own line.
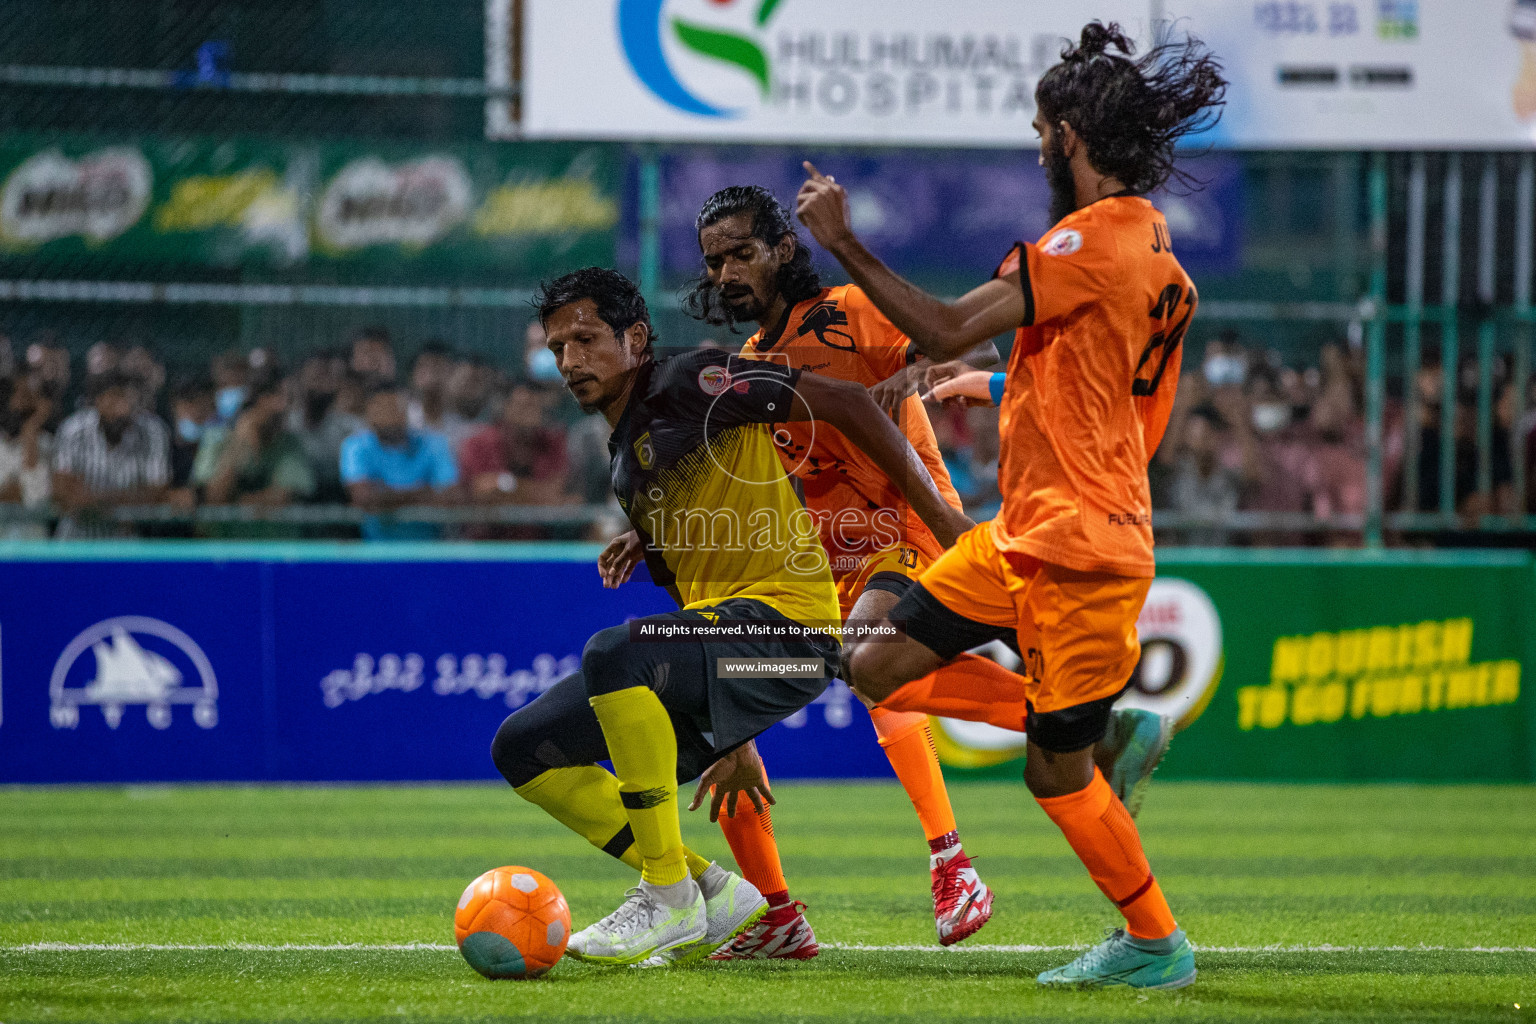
point(1132, 113)
point(797, 279)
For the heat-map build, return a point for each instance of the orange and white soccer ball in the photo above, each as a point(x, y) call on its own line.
point(512, 923)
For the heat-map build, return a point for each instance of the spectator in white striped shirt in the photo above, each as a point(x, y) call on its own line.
point(112, 453)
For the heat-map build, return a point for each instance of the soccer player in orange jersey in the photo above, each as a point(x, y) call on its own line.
point(757, 270)
point(1100, 306)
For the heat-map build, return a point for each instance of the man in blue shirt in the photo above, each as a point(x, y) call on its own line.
point(390, 466)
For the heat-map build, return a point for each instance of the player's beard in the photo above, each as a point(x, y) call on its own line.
point(746, 309)
point(1058, 175)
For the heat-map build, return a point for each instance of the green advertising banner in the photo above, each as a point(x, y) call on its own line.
point(502, 209)
point(1314, 666)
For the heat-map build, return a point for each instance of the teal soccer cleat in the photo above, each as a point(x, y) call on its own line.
point(1123, 960)
point(1138, 739)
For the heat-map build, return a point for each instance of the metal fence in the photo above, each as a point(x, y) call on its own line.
point(1424, 259)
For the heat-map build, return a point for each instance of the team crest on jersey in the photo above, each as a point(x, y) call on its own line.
point(1063, 243)
point(825, 318)
point(714, 380)
point(645, 452)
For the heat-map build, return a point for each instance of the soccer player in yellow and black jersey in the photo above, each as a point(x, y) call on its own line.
point(757, 270)
point(696, 470)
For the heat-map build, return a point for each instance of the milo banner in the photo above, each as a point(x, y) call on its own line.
point(1297, 666)
point(510, 210)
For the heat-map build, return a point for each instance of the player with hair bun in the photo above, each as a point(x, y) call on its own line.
point(1099, 307)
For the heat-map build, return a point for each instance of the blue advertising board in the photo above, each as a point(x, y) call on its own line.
point(326, 663)
point(949, 211)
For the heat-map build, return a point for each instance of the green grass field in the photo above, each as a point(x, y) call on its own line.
point(1335, 879)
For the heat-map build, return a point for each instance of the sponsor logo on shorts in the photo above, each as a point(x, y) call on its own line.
point(1130, 519)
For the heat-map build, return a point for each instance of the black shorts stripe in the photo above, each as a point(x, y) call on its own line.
point(897, 583)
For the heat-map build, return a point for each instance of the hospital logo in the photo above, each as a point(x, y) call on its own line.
point(645, 26)
point(131, 661)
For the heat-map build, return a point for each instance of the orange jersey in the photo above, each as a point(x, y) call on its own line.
point(1090, 385)
point(839, 333)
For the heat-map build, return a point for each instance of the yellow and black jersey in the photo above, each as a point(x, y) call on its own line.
point(696, 470)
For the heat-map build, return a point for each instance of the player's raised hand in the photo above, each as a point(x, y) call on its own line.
point(822, 206)
point(740, 771)
point(617, 562)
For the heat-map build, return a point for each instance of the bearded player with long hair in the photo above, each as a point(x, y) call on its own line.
point(1099, 307)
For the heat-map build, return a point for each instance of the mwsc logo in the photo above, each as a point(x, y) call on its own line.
point(642, 27)
point(137, 660)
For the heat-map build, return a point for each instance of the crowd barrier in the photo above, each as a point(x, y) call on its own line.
point(206, 661)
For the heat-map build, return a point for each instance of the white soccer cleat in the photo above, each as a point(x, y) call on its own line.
point(641, 928)
point(732, 905)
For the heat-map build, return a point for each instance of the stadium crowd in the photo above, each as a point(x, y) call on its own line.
point(357, 425)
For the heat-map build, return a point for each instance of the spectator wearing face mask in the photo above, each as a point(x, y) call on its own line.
point(193, 413)
point(391, 466)
point(25, 451)
point(257, 461)
point(538, 361)
point(111, 453)
point(1226, 361)
point(321, 417)
point(231, 379)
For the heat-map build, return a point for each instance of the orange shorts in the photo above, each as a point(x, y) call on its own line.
point(853, 573)
point(1076, 630)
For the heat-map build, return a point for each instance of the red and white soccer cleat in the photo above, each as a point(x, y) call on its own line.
point(962, 903)
point(781, 934)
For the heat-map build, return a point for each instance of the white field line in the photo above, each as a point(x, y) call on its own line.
point(439, 947)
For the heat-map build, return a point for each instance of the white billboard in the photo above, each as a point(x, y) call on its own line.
point(1349, 74)
point(1363, 74)
point(858, 71)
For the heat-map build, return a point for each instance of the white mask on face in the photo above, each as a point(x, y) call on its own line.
point(1270, 416)
point(542, 365)
point(1221, 370)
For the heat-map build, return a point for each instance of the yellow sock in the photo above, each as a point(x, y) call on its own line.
point(585, 799)
point(696, 865)
point(644, 753)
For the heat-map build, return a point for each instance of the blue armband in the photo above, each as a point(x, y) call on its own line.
point(995, 386)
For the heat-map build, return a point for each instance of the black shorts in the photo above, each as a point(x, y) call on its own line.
point(711, 714)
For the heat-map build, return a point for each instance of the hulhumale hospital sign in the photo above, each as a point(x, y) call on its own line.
point(1307, 73)
point(853, 71)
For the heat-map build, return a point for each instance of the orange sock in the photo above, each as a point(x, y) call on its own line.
point(971, 688)
point(1105, 839)
point(908, 742)
point(750, 836)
